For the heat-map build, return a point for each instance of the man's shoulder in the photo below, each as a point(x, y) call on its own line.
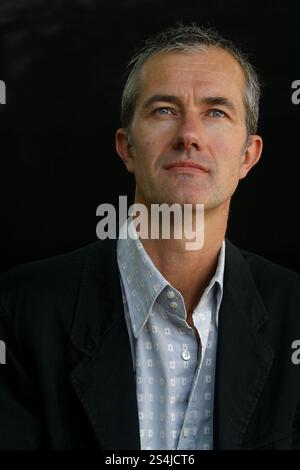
point(269, 276)
point(264, 267)
point(58, 276)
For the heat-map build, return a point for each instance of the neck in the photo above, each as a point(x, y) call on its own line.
point(190, 271)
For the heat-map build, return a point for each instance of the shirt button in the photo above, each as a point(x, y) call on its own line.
point(170, 294)
point(173, 305)
point(186, 355)
point(186, 432)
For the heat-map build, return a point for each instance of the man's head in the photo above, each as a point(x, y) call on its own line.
point(191, 96)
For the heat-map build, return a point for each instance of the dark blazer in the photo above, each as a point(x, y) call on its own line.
point(68, 381)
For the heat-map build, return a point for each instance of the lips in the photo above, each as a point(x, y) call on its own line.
point(186, 164)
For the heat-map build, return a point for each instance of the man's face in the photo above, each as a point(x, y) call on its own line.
point(190, 108)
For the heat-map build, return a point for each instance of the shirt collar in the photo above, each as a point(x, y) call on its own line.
point(143, 282)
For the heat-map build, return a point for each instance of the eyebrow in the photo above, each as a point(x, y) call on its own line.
point(208, 100)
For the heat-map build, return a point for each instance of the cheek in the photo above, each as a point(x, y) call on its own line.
point(156, 132)
point(227, 157)
point(147, 149)
point(144, 158)
point(226, 144)
point(149, 144)
point(144, 152)
point(143, 139)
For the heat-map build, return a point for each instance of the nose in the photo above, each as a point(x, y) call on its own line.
point(189, 133)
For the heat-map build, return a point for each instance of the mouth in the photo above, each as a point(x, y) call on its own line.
point(186, 167)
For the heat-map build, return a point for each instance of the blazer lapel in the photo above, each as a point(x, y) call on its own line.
point(244, 358)
point(104, 380)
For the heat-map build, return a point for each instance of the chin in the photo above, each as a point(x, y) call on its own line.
point(191, 199)
point(180, 198)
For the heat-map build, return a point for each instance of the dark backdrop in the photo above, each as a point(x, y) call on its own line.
point(63, 63)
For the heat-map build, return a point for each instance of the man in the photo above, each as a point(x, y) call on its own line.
point(199, 353)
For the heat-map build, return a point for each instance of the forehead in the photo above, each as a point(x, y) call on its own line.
point(213, 72)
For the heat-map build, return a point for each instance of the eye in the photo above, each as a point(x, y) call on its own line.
point(217, 113)
point(164, 111)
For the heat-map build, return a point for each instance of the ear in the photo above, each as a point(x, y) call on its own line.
point(124, 149)
point(252, 155)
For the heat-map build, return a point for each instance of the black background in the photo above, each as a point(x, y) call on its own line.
point(64, 65)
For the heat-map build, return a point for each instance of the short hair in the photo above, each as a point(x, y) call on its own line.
point(189, 39)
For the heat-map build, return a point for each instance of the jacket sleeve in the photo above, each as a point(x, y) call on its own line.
point(296, 428)
point(20, 423)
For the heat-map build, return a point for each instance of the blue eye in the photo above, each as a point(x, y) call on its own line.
point(218, 112)
point(163, 110)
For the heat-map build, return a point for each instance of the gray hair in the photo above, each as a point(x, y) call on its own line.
point(189, 39)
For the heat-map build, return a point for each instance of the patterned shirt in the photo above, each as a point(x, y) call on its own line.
point(174, 377)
